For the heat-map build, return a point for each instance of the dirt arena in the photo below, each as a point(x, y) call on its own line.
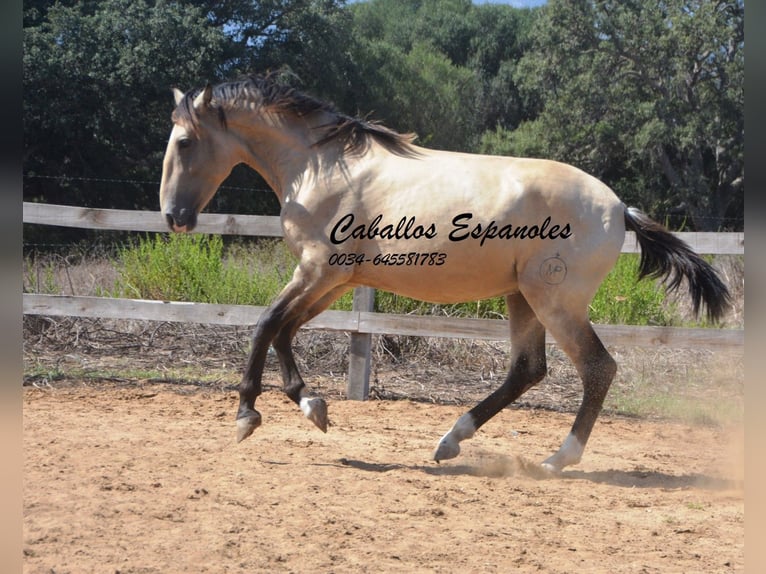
point(148, 479)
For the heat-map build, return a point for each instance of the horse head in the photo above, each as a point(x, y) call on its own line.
point(197, 159)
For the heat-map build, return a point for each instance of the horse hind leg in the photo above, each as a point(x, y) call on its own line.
point(314, 408)
point(597, 369)
point(528, 367)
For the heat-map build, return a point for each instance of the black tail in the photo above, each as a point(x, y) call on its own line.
point(664, 255)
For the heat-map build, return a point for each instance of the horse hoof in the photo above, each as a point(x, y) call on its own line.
point(316, 411)
point(570, 453)
point(247, 424)
point(448, 448)
point(550, 469)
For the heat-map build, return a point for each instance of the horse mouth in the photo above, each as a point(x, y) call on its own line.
point(181, 222)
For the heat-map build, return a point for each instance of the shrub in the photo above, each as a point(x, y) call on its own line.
point(624, 300)
point(193, 268)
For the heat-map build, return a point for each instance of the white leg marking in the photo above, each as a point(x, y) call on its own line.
point(570, 453)
point(305, 405)
point(449, 445)
point(307, 402)
point(463, 427)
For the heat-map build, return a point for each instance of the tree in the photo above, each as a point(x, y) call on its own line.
point(97, 79)
point(409, 59)
point(445, 69)
point(645, 95)
point(308, 38)
point(501, 36)
point(419, 91)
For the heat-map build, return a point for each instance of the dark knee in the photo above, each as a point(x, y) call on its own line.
point(268, 326)
point(282, 340)
point(538, 370)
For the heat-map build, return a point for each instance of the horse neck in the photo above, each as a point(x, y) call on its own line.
point(280, 148)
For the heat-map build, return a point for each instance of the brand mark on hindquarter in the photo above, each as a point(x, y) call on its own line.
point(553, 270)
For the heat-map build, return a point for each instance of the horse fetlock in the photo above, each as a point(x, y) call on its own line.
point(315, 410)
point(247, 423)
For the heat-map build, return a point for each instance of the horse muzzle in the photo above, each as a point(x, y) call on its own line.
point(181, 219)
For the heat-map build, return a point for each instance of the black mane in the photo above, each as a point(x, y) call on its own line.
point(269, 94)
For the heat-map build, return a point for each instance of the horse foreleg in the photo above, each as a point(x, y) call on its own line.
point(315, 408)
point(249, 419)
point(295, 301)
point(528, 368)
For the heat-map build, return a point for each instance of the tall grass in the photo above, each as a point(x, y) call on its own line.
point(40, 278)
point(624, 300)
point(200, 268)
point(195, 268)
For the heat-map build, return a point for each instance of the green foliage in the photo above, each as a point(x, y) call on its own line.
point(312, 39)
point(525, 141)
point(646, 96)
point(419, 91)
point(624, 300)
point(645, 92)
point(193, 268)
point(443, 69)
point(97, 101)
point(40, 277)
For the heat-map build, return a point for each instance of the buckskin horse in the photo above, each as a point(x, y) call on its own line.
point(362, 205)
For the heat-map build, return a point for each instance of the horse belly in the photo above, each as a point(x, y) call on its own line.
point(440, 276)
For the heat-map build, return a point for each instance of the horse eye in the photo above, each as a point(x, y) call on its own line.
point(184, 143)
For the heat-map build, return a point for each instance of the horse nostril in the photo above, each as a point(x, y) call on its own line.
point(181, 219)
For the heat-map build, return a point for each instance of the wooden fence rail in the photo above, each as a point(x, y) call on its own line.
point(361, 322)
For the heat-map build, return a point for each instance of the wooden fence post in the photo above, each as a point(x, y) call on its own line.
point(358, 385)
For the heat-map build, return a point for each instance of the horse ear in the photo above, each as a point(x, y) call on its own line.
point(178, 95)
point(204, 98)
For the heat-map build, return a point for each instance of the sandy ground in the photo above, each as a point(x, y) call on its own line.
point(147, 479)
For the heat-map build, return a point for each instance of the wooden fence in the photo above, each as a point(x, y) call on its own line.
point(361, 322)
